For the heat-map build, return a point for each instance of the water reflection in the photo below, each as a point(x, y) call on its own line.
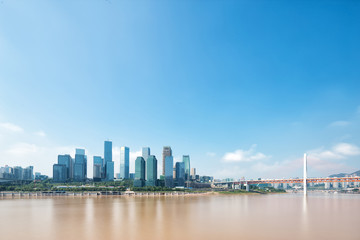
point(284, 216)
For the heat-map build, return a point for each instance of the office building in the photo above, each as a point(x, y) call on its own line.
point(108, 162)
point(186, 161)
point(80, 166)
point(59, 173)
point(166, 152)
point(98, 170)
point(193, 173)
point(169, 165)
point(28, 173)
point(139, 172)
point(68, 161)
point(180, 174)
point(151, 171)
point(145, 152)
point(124, 162)
point(109, 171)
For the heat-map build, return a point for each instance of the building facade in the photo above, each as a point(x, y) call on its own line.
point(124, 162)
point(59, 173)
point(169, 166)
point(139, 172)
point(166, 152)
point(186, 161)
point(80, 167)
point(151, 171)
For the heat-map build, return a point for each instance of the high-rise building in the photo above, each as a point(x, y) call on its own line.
point(108, 151)
point(98, 170)
point(166, 152)
point(124, 162)
point(109, 164)
point(80, 167)
point(180, 174)
point(151, 171)
point(109, 171)
point(169, 165)
point(145, 152)
point(139, 172)
point(68, 161)
point(28, 173)
point(193, 173)
point(186, 161)
point(18, 173)
point(59, 173)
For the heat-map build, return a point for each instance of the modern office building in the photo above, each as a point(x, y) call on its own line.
point(108, 151)
point(124, 162)
point(109, 171)
point(166, 152)
point(108, 162)
point(186, 161)
point(98, 170)
point(59, 173)
point(193, 173)
point(80, 167)
point(68, 161)
point(169, 165)
point(145, 152)
point(18, 173)
point(139, 172)
point(151, 171)
point(180, 174)
point(28, 173)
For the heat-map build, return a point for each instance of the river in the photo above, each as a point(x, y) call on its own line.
point(272, 216)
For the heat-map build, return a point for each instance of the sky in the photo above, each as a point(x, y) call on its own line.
point(243, 87)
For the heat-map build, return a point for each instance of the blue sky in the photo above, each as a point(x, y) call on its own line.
point(243, 87)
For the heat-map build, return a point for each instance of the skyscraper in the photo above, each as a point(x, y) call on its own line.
point(98, 170)
point(193, 173)
point(109, 171)
point(186, 161)
point(145, 152)
point(124, 162)
point(108, 151)
point(139, 172)
point(169, 165)
point(166, 152)
point(109, 164)
point(180, 174)
point(151, 171)
point(68, 161)
point(80, 167)
point(59, 173)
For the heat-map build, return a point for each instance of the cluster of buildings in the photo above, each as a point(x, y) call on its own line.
point(17, 173)
point(146, 168)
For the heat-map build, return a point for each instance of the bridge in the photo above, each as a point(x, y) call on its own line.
point(304, 181)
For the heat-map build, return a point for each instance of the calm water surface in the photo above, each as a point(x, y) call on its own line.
point(283, 216)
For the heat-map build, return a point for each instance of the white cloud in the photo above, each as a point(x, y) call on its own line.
point(339, 124)
point(40, 134)
point(241, 155)
point(339, 151)
point(22, 149)
point(11, 127)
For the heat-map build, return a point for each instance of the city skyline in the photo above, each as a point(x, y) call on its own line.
point(244, 91)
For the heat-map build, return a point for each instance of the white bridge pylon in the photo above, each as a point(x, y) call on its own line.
point(305, 174)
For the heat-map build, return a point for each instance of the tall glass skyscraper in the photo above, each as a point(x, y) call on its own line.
point(151, 171)
point(98, 169)
point(68, 161)
point(108, 151)
point(80, 167)
point(139, 172)
point(145, 152)
point(109, 164)
point(169, 167)
point(180, 174)
point(124, 162)
point(186, 161)
point(166, 152)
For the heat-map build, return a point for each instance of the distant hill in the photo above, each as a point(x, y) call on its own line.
point(357, 173)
